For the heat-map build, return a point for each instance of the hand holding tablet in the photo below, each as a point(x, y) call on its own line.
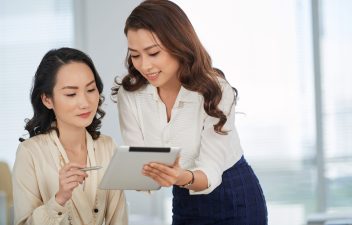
point(125, 168)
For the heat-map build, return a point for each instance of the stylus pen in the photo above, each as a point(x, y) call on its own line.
point(91, 168)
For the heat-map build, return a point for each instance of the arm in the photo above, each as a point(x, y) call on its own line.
point(28, 205)
point(28, 201)
point(214, 151)
point(167, 176)
point(129, 125)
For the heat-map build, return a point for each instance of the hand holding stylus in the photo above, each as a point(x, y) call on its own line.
point(70, 176)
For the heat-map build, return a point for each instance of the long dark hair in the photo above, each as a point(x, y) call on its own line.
point(43, 84)
point(173, 28)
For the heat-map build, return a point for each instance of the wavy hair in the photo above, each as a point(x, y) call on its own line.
point(171, 25)
point(43, 84)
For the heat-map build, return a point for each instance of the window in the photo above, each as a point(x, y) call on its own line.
point(28, 30)
point(265, 49)
point(336, 57)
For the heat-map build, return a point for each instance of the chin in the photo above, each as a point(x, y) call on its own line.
point(85, 124)
point(155, 83)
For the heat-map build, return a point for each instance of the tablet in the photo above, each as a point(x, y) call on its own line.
point(125, 168)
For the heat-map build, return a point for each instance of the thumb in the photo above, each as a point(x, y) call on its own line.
point(177, 162)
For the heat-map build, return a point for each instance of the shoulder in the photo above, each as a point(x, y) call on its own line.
point(104, 139)
point(147, 88)
point(104, 148)
point(32, 151)
point(131, 97)
point(35, 143)
point(105, 142)
point(226, 88)
point(223, 83)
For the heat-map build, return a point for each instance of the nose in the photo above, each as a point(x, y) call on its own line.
point(146, 64)
point(83, 102)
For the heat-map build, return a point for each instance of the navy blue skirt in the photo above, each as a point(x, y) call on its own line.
point(238, 200)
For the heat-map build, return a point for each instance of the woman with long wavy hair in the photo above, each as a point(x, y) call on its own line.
point(49, 184)
point(172, 96)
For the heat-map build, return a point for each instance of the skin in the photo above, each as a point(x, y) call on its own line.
point(156, 64)
point(160, 68)
point(75, 102)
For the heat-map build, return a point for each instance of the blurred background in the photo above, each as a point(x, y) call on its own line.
point(291, 61)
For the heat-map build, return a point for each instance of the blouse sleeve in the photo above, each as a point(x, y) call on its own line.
point(28, 204)
point(130, 127)
point(216, 148)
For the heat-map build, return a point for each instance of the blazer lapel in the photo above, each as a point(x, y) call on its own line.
point(79, 198)
point(93, 174)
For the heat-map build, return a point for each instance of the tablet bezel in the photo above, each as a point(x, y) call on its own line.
point(124, 171)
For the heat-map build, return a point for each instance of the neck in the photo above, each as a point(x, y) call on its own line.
point(73, 140)
point(168, 96)
point(169, 91)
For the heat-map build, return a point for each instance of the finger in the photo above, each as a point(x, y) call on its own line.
point(71, 186)
point(70, 166)
point(162, 181)
point(160, 177)
point(164, 169)
point(165, 180)
point(77, 173)
point(177, 162)
point(74, 178)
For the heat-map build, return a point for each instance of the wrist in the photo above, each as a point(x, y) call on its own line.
point(60, 200)
point(190, 182)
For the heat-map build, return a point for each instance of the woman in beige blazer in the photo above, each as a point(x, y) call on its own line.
point(48, 183)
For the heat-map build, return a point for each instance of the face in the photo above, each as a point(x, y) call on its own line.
point(152, 59)
point(75, 96)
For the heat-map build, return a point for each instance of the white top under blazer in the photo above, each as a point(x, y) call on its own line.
point(143, 122)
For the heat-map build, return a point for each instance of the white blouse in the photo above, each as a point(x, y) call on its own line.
point(143, 122)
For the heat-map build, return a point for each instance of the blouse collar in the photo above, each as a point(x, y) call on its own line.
point(184, 95)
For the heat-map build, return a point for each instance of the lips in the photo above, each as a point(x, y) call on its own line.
point(152, 76)
point(84, 115)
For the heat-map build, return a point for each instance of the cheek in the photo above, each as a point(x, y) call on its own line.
point(62, 108)
point(173, 69)
point(95, 100)
point(136, 63)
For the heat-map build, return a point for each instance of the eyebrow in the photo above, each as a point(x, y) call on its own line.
point(147, 48)
point(75, 87)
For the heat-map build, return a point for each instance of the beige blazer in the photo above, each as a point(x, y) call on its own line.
point(36, 181)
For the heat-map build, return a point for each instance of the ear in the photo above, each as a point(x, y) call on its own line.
point(48, 102)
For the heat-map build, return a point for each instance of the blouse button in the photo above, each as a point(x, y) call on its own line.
point(96, 210)
point(59, 213)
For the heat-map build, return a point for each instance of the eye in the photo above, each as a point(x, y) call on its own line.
point(71, 95)
point(154, 54)
point(134, 56)
point(91, 90)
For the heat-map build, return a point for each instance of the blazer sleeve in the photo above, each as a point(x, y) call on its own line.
point(28, 204)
